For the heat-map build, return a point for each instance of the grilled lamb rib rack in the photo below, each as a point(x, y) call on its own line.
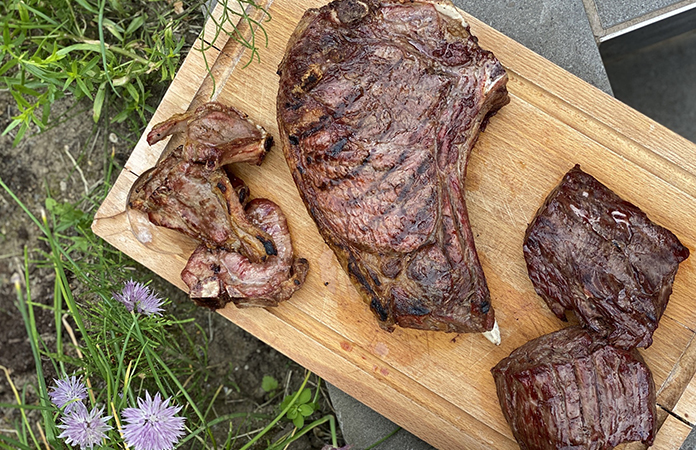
point(246, 253)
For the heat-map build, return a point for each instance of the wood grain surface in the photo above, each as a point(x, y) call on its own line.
point(436, 385)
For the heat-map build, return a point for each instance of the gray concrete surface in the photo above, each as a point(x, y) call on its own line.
point(362, 427)
point(557, 30)
point(660, 82)
point(614, 12)
point(690, 442)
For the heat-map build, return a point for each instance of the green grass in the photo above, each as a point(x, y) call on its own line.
point(123, 353)
point(108, 51)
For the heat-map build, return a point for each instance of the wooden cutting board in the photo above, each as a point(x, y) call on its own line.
point(437, 385)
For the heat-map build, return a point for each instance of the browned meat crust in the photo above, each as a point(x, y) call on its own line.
point(589, 251)
point(199, 202)
point(571, 389)
point(216, 135)
point(216, 276)
point(379, 106)
point(245, 253)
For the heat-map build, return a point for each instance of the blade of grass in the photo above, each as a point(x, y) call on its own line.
point(306, 429)
point(27, 312)
point(102, 42)
point(279, 416)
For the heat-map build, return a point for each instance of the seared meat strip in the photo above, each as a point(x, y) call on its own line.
point(571, 389)
point(589, 251)
point(216, 135)
point(379, 106)
point(201, 203)
point(218, 276)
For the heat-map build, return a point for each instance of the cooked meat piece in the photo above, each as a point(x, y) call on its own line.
point(218, 276)
point(379, 106)
point(571, 389)
point(589, 251)
point(216, 135)
point(242, 190)
point(201, 203)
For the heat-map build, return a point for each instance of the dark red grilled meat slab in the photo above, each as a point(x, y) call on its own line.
point(379, 106)
point(572, 390)
point(589, 251)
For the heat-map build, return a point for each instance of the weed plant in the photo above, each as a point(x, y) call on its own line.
point(109, 51)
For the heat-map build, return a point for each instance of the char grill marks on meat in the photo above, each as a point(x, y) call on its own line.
point(589, 251)
point(245, 253)
point(572, 389)
point(379, 106)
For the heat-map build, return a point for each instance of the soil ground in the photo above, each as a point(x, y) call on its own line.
point(46, 162)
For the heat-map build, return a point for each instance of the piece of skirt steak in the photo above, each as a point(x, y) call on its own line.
point(379, 106)
point(572, 389)
point(589, 251)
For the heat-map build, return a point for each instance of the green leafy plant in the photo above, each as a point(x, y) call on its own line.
point(108, 51)
point(269, 384)
point(85, 48)
point(300, 407)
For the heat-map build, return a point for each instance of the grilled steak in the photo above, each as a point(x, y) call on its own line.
point(216, 135)
point(589, 251)
point(245, 253)
point(199, 202)
point(218, 276)
point(379, 106)
point(571, 389)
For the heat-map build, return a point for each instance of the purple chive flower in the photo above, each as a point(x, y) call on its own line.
point(69, 392)
point(138, 296)
point(84, 428)
point(153, 425)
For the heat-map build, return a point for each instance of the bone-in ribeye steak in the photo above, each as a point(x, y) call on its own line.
point(379, 106)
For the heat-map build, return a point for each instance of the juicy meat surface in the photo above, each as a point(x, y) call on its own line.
point(572, 389)
point(589, 251)
point(218, 276)
point(379, 106)
point(216, 135)
point(245, 255)
point(199, 202)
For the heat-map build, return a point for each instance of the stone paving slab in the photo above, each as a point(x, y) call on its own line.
point(362, 426)
point(558, 30)
point(614, 12)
